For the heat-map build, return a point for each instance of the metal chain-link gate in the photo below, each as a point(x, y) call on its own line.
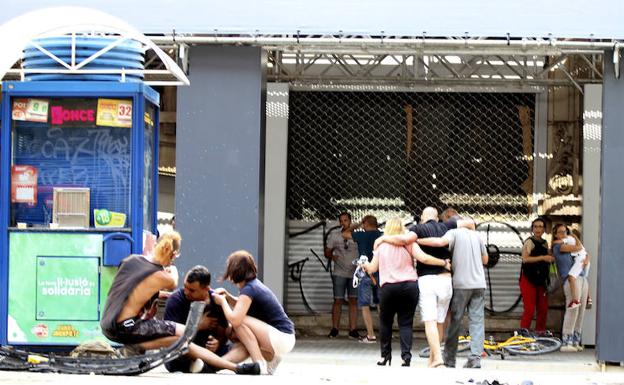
point(396, 153)
point(390, 153)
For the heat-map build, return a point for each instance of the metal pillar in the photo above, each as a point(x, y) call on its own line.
point(220, 157)
point(610, 302)
point(592, 131)
point(275, 193)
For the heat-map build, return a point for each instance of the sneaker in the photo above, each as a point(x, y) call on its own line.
point(368, 339)
point(576, 341)
point(354, 335)
point(333, 333)
point(568, 348)
point(197, 366)
point(473, 363)
point(252, 368)
point(264, 369)
point(447, 362)
point(574, 304)
point(272, 365)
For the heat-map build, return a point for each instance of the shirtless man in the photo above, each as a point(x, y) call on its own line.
point(131, 305)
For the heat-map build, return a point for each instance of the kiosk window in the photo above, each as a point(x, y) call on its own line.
point(149, 162)
point(70, 142)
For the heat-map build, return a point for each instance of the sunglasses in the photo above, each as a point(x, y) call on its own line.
point(346, 244)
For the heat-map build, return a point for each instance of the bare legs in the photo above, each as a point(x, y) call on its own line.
point(194, 351)
point(336, 312)
point(432, 331)
point(353, 313)
point(368, 321)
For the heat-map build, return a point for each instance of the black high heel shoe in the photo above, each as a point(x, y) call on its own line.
point(406, 363)
point(386, 359)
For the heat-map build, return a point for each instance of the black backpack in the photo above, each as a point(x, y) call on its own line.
point(493, 255)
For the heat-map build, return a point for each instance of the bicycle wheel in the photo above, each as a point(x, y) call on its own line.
point(541, 345)
point(462, 345)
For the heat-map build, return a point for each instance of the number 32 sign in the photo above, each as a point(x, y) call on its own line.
point(114, 113)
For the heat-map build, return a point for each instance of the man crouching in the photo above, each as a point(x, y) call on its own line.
point(132, 300)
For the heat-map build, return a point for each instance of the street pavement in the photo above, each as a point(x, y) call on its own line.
point(342, 361)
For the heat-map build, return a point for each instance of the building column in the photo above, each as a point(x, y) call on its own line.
point(610, 302)
point(592, 130)
point(275, 268)
point(219, 188)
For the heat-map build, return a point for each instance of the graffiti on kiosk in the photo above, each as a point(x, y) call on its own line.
point(67, 287)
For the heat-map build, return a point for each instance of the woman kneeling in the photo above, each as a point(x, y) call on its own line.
point(257, 317)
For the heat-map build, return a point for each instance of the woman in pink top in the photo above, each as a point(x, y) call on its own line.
point(399, 290)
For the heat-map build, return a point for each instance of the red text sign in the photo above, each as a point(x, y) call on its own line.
point(61, 115)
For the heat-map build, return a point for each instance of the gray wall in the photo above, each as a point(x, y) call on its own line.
point(275, 193)
point(610, 302)
point(592, 131)
point(220, 157)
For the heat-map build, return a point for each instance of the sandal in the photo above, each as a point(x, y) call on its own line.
point(368, 340)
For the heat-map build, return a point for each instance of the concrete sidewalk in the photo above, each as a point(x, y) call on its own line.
point(349, 352)
point(342, 361)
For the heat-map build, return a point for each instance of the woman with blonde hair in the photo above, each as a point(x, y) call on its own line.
point(399, 289)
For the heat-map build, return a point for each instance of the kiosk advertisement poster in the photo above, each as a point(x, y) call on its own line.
point(63, 270)
point(24, 184)
point(114, 113)
point(30, 110)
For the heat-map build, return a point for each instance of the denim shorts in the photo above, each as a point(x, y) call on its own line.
point(367, 292)
point(343, 285)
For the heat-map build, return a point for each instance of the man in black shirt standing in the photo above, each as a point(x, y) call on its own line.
point(211, 332)
point(434, 282)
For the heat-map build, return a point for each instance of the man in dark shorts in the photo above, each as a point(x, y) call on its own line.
point(131, 305)
point(342, 250)
point(212, 329)
point(132, 298)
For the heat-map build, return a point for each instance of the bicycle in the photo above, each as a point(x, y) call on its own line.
point(519, 344)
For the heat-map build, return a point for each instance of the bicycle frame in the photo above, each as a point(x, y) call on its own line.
point(493, 346)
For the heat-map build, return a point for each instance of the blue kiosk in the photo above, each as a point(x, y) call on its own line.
point(78, 176)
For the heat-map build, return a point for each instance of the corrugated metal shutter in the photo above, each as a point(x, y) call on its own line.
point(317, 287)
point(315, 281)
point(503, 290)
